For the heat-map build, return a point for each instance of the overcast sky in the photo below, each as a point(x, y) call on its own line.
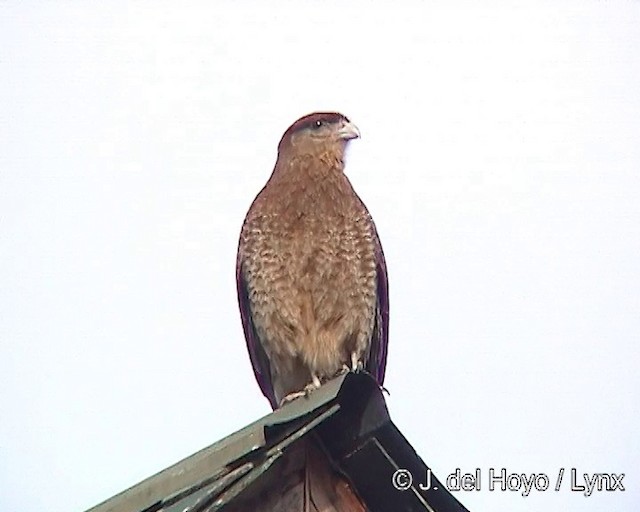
point(499, 157)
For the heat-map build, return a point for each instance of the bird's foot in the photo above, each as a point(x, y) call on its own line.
point(292, 396)
point(306, 391)
point(356, 364)
point(312, 386)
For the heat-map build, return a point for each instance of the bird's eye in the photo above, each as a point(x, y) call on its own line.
point(318, 124)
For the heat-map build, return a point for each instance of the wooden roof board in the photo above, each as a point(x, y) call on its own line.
point(205, 467)
point(348, 420)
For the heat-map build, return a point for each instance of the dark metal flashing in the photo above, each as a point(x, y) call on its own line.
point(347, 417)
point(370, 449)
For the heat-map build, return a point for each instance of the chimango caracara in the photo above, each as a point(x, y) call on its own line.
point(311, 275)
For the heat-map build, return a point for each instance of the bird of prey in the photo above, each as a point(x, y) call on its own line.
point(311, 274)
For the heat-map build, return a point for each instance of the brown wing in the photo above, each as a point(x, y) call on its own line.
point(377, 361)
point(259, 360)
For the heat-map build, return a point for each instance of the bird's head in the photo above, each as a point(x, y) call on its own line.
point(317, 134)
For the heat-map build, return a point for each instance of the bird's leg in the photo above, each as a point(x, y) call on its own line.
point(356, 364)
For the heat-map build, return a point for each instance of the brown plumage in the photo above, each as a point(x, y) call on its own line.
point(312, 281)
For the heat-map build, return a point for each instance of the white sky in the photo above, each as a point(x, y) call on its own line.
point(500, 158)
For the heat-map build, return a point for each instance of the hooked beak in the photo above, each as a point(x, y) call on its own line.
point(348, 131)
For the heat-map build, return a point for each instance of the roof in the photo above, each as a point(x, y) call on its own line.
point(349, 418)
